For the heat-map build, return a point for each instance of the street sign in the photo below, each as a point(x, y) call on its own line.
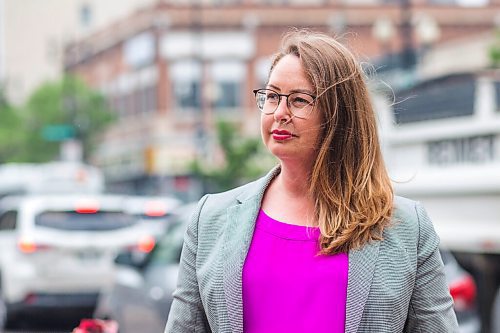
point(58, 132)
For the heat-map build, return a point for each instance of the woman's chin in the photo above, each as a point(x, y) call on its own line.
point(284, 154)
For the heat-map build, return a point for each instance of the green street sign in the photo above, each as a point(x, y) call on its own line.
point(58, 132)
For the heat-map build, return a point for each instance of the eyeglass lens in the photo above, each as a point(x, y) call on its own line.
point(299, 104)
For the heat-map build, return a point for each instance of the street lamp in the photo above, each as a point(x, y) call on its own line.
point(383, 31)
point(428, 32)
point(408, 55)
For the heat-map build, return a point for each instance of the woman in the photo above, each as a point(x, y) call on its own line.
point(319, 244)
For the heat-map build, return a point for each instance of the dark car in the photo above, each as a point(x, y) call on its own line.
point(463, 290)
point(141, 296)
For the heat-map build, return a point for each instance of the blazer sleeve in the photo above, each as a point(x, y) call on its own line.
point(431, 306)
point(187, 313)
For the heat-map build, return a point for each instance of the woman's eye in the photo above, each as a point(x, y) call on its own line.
point(300, 101)
point(272, 97)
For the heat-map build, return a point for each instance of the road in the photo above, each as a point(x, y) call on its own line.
point(37, 331)
point(41, 325)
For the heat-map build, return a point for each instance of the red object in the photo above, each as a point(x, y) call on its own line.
point(463, 292)
point(87, 206)
point(29, 246)
point(281, 135)
point(96, 326)
point(155, 209)
point(146, 244)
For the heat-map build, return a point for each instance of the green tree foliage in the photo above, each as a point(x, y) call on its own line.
point(11, 134)
point(54, 112)
point(495, 51)
point(244, 160)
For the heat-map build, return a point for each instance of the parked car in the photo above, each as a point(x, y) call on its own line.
point(463, 290)
point(141, 296)
point(57, 251)
point(152, 211)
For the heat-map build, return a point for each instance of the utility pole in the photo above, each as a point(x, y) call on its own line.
point(408, 56)
point(198, 44)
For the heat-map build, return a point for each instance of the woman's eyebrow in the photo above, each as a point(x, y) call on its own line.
point(273, 87)
point(307, 91)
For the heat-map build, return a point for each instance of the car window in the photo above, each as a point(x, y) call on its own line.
point(446, 256)
point(169, 248)
point(71, 220)
point(8, 220)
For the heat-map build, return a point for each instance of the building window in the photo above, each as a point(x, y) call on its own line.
point(139, 51)
point(85, 15)
point(228, 96)
point(446, 98)
point(261, 70)
point(187, 94)
point(227, 78)
point(186, 81)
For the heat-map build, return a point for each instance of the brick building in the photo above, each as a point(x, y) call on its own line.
point(171, 70)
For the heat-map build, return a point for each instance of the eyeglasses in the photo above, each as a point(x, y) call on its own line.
point(300, 104)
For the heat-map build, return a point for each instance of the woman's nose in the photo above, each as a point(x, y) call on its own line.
point(282, 111)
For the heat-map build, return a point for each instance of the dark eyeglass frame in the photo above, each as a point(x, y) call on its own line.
point(256, 91)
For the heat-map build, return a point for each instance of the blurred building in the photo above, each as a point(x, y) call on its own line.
point(172, 69)
point(33, 33)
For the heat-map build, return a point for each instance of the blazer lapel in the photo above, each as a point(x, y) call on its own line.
point(237, 238)
point(241, 222)
point(361, 268)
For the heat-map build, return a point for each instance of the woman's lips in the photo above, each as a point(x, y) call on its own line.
point(280, 135)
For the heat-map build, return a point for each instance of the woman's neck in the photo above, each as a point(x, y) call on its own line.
point(294, 180)
point(290, 189)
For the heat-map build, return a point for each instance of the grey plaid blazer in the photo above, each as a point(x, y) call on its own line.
point(394, 285)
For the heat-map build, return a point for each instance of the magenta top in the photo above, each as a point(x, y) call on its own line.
point(287, 286)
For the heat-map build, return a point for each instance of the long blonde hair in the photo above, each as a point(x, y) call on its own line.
point(349, 182)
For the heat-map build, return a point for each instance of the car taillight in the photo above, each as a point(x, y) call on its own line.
point(87, 206)
point(96, 326)
point(155, 209)
point(463, 292)
point(29, 246)
point(146, 244)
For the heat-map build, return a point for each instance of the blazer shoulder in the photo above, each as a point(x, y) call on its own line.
point(410, 211)
point(405, 212)
point(411, 222)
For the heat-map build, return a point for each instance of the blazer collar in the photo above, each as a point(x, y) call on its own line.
point(256, 190)
point(238, 236)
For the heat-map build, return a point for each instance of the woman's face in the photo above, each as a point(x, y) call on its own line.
point(287, 137)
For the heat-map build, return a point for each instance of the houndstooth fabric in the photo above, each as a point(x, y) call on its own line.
point(394, 285)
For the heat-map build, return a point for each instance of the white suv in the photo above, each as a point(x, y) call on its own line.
point(57, 252)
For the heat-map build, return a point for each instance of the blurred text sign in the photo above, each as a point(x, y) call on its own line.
point(58, 132)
